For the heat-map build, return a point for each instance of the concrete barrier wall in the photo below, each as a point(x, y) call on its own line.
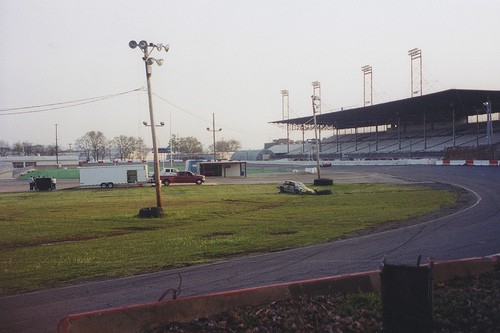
point(469, 162)
point(141, 317)
point(423, 161)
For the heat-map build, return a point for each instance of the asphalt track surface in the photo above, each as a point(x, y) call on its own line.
point(469, 232)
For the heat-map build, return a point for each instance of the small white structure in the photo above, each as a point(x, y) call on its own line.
point(223, 168)
point(109, 176)
point(19, 162)
point(311, 170)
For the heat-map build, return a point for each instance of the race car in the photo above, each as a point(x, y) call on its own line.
point(295, 187)
point(290, 186)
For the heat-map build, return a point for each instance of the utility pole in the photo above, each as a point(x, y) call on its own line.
point(147, 49)
point(57, 149)
point(213, 130)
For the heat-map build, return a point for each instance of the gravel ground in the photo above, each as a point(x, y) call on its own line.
point(461, 305)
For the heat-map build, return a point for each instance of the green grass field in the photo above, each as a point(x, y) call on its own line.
point(62, 173)
point(53, 238)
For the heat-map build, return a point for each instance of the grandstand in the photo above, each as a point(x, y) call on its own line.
point(452, 122)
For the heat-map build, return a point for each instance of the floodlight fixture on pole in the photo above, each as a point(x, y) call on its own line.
point(147, 49)
point(367, 71)
point(317, 94)
point(316, 103)
point(161, 124)
point(213, 130)
point(416, 54)
point(285, 105)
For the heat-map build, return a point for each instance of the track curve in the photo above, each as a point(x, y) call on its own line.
point(472, 232)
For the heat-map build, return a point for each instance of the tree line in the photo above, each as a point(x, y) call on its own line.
point(94, 146)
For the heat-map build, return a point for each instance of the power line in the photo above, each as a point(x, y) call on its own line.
point(200, 118)
point(181, 109)
point(61, 105)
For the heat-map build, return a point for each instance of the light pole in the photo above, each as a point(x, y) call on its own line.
point(489, 132)
point(367, 71)
point(147, 49)
point(316, 102)
point(170, 145)
point(145, 123)
point(213, 130)
point(317, 92)
point(57, 148)
point(414, 55)
point(285, 105)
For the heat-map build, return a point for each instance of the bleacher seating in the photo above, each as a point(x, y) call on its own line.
point(392, 144)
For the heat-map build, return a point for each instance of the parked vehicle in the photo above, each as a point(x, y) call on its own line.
point(294, 187)
point(42, 184)
point(168, 172)
point(163, 172)
point(290, 186)
point(183, 177)
point(109, 176)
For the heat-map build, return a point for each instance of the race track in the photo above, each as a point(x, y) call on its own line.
point(473, 231)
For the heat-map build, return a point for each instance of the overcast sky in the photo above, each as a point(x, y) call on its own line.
point(230, 58)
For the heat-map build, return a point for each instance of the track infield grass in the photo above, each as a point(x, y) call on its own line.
point(49, 239)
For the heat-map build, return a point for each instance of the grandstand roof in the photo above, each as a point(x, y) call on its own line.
point(437, 107)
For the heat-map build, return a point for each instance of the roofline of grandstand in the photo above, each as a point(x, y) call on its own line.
point(442, 106)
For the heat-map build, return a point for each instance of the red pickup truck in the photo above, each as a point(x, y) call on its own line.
point(183, 177)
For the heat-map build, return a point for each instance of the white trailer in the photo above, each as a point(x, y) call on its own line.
point(109, 176)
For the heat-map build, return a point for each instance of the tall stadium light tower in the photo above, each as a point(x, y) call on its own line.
point(367, 83)
point(147, 49)
point(416, 54)
point(285, 113)
point(317, 92)
point(489, 127)
point(316, 105)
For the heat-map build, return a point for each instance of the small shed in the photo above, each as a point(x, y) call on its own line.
point(223, 168)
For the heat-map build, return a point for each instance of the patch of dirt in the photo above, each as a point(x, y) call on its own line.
point(460, 305)
point(217, 235)
point(282, 233)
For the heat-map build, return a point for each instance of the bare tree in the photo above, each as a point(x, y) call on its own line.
point(40, 150)
point(50, 150)
point(226, 146)
point(4, 148)
point(26, 148)
point(140, 152)
point(23, 148)
point(93, 144)
point(174, 144)
point(126, 146)
point(83, 144)
point(189, 145)
point(185, 145)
